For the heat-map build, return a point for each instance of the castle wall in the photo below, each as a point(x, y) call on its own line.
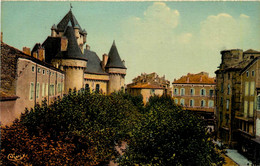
point(94, 79)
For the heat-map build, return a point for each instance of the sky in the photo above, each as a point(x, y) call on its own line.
point(169, 38)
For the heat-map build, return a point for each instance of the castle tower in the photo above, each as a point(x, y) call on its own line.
point(116, 69)
point(71, 60)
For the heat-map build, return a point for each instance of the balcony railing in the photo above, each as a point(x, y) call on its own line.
point(244, 116)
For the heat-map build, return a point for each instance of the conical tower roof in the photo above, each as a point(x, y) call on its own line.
point(73, 50)
point(69, 17)
point(114, 60)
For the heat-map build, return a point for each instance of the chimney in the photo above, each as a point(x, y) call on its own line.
point(200, 78)
point(41, 54)
point(35, 55)
point(27, 50)
point(63, 44)
point(104, 61)
point(188, 79)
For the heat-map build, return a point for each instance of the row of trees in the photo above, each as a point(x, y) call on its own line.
point(84, 128)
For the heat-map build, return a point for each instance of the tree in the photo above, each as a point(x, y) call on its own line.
point(168, 135)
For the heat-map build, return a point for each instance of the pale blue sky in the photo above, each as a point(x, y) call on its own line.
point(171, 38)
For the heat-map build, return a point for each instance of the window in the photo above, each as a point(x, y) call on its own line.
point(182, 102)
point(251, 109)
point(247, 73)
point(47, 72)
point(33, 68)
point(258, 102)
point(176, 101)
point(228, 76)
point(191, 103)
point(246, 88)
point(59, 87)
point(176, 91)
point(31, 91)
point(152, 91)
point(245, 108)
point(191, 91)
point(202, 103)
point(202, 92)
point(211, 92)
point(37, 90)
point(43, 89)
point(252, 88)
point(39, 70)
point(211, 103)
point(221, 101)
point(222, 87)
point(43, 71)
point(97, 87)
point(51, 90)
point(86, 86)
point(228, 89)
point(253, 73)
point(47, 90)
point(182, 91)
point(227, 104)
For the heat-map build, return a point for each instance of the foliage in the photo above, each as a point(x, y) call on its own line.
point(83, 129)
point(167, 135)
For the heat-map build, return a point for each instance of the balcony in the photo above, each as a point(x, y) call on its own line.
point(244, 116)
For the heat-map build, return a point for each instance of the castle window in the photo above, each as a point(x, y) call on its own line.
point(31, 91)
point(202, 92)
point(245, 108)
point(202, 103)
point(221, 101)
point(97, 87)
point(52, 90)
point(253, 73)
point(222, 87)
point(33, 68)
point(37, 90)
point(152, 91)
point(191, 103)
point(191, 91)
point(176, 91)
point(59, 87)
point(182, 102)
point(182, 91)
point(246, 88)
point(47, 72)
point(247, 73)
point(251, 109)
point(43, 71)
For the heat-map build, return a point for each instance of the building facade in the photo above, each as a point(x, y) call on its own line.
point(148, 85)
point(52, 68)
point(196, 92)
point(237, 99)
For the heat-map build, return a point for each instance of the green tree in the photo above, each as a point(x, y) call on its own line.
point(168, 135)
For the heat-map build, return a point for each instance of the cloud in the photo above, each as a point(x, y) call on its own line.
point(155, 42)
point(223, 30)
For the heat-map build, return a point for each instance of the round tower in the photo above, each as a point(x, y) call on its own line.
point(116, 69)
point(71, 61)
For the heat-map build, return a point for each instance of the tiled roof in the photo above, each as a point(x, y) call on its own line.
point(73, 50)
point(144, 86)
point(199, 78)
point(94, 63)
point(251, 51)
point(114, 60)
point(69, 17)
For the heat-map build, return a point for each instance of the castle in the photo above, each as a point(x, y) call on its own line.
point(55, 67)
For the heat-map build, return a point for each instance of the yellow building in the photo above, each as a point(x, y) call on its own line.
point(196, 92)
